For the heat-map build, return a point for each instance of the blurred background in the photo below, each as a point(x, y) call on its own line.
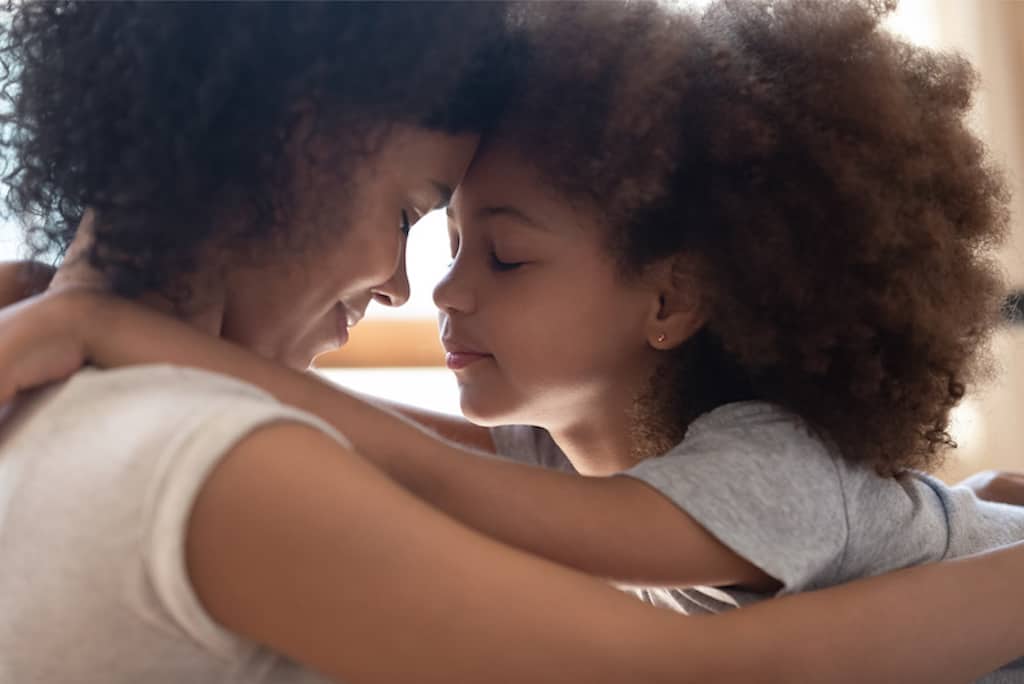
point(395, 352)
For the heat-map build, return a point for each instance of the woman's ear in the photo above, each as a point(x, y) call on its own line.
point(678, 311)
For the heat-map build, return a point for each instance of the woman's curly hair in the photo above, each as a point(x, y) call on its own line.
point(820, 172)
point(163, 117)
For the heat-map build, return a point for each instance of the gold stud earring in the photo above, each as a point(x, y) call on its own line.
point(661, 338)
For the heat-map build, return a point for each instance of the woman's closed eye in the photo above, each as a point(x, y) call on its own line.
point(404, 224)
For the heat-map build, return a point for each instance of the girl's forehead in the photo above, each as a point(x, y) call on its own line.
point(500, 175)
point(498, 162)
point(502, 182)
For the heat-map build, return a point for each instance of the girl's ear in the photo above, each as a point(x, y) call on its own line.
point(678, 311)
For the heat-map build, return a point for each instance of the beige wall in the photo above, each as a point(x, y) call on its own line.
point(991, 33)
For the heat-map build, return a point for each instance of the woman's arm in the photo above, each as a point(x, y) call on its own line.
point(855, 624)
point(321, 557)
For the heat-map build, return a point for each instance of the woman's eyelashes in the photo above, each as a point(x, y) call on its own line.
point(404, 225)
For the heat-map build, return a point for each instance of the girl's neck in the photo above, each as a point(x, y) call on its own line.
point(597, 448)
point(642, 419)
point(601, 440)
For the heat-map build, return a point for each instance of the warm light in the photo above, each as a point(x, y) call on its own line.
point(967, 428)
point(427, 258)
point(428, 388)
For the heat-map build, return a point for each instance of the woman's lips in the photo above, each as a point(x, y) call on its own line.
point(459, 360)
point(341, 323)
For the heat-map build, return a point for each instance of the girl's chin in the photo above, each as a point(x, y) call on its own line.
point(485, 413)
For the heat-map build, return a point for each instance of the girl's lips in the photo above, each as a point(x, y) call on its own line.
point(459, 360)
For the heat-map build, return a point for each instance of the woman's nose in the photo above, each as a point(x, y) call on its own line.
point(394, 292)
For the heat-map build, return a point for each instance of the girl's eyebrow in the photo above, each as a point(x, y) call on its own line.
point(503, 210)
point(511, 212)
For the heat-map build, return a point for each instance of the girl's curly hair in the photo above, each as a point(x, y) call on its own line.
point(163, 117)
point(821, 173)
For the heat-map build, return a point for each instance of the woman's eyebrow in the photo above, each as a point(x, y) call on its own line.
point(444, 193)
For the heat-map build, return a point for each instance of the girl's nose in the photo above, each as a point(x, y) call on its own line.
point(454, 292)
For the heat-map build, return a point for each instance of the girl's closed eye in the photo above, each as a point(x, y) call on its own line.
point(453, 246)
point(498, 265)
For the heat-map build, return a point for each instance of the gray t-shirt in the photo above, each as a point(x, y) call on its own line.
point(97, 479)
point(767, 487)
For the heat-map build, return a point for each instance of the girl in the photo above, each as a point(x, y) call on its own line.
point(291, 556)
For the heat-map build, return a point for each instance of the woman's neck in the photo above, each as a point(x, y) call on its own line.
point(77, 273)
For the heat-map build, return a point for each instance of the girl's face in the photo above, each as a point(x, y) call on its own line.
point(304, 302)
point(539, 325)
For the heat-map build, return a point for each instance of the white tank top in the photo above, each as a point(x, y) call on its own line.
point(97, 479)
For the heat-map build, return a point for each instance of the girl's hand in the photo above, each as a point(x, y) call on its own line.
point(997, 485)
point(41, 340)
point(21, 279)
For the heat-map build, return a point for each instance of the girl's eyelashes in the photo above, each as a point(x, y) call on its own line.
point(405, 226)
point(502, 266)
point(496, 264)
point(453, 245)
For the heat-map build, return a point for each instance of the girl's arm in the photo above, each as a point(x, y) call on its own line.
point(610, 527)
point(320, 556)
point(453, 428)
point(21, 279)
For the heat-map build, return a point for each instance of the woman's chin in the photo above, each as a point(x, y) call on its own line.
point(304, 358)
point(303, 354)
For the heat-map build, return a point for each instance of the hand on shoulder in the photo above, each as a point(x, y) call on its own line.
point(21, 279)
point(1000, 486)
point(42, 338)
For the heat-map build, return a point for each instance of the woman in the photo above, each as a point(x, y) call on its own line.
point(163, 524)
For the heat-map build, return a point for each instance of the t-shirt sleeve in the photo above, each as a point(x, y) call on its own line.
point(770, 492)
point(531, 445)
point(195, 448)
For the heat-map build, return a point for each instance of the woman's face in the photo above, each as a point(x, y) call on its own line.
point(539, 324)
point(303, 303)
